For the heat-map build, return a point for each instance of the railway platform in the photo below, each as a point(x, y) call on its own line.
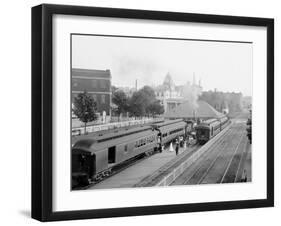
point(133, 175)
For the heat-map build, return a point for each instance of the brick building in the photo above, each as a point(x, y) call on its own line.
point(95, 82)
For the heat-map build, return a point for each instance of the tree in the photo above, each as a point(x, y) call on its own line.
point(113, 89)
point(155, 108)
point(84, 107)
point(136, 104)
point(120, 99)
point(141, 100)
point(148, 94)
point(220, 100)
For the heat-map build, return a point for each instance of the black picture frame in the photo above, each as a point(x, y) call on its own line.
point(42, 107)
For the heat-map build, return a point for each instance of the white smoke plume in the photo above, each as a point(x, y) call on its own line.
point(191, 93)
point(144, 69)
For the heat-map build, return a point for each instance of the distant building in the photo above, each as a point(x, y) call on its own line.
point(234, 101)
point(95, 82)
point(168, 94)
point(223, 101)
point(171, 96)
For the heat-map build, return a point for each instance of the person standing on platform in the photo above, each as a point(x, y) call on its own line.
point(177, 146)
point(187, 140)
point(181, 141)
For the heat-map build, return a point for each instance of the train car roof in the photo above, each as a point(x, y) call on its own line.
point(92, 146)
point(114, 133)
point(172, 126)
point(224, 118)
point(202, 126)
point(166, 122)
point(210, 121)
point(207, 123)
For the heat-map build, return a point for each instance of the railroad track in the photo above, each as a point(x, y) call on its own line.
point(169, 168)
point(231, 172)
point(197, 176)
point(242, 161)
point(221, 165)
point(224, 159)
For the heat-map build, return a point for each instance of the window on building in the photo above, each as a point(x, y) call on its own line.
point(103, 98)
point(94, 83)
point(102, 84)
point(74, 82)
point(95, 97)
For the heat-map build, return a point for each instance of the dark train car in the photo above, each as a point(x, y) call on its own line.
point(207, 129)
point(95, 157)
point(189, 127)
point(224, 122)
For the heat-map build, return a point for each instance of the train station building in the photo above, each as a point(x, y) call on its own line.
point(189, 111)
point(171, 95)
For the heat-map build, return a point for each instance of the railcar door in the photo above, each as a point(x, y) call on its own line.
point(112, 154)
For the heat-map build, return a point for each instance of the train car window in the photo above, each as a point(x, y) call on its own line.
point(126, 148)
point(145, 141)
point(175, 131)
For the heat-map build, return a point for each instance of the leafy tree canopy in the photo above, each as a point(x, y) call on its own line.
point(84, 107)
point(144, 102)
point(155, 108)
point(120, 99)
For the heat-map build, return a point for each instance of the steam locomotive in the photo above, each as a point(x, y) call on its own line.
point(94, 158)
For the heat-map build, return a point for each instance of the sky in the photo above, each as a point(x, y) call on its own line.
point(223, 66)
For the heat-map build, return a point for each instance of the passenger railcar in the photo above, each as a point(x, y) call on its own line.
point(94, 158)
point(207, 129)
point(170, 130)
point(224, 121)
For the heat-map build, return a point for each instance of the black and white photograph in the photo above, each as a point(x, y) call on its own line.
point(143, 112)
point(154, 111)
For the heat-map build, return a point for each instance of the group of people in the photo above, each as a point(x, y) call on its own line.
point(179, 142)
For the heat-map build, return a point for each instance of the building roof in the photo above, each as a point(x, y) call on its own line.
point(168, 82)
point(91, 73)
point(187, 110)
